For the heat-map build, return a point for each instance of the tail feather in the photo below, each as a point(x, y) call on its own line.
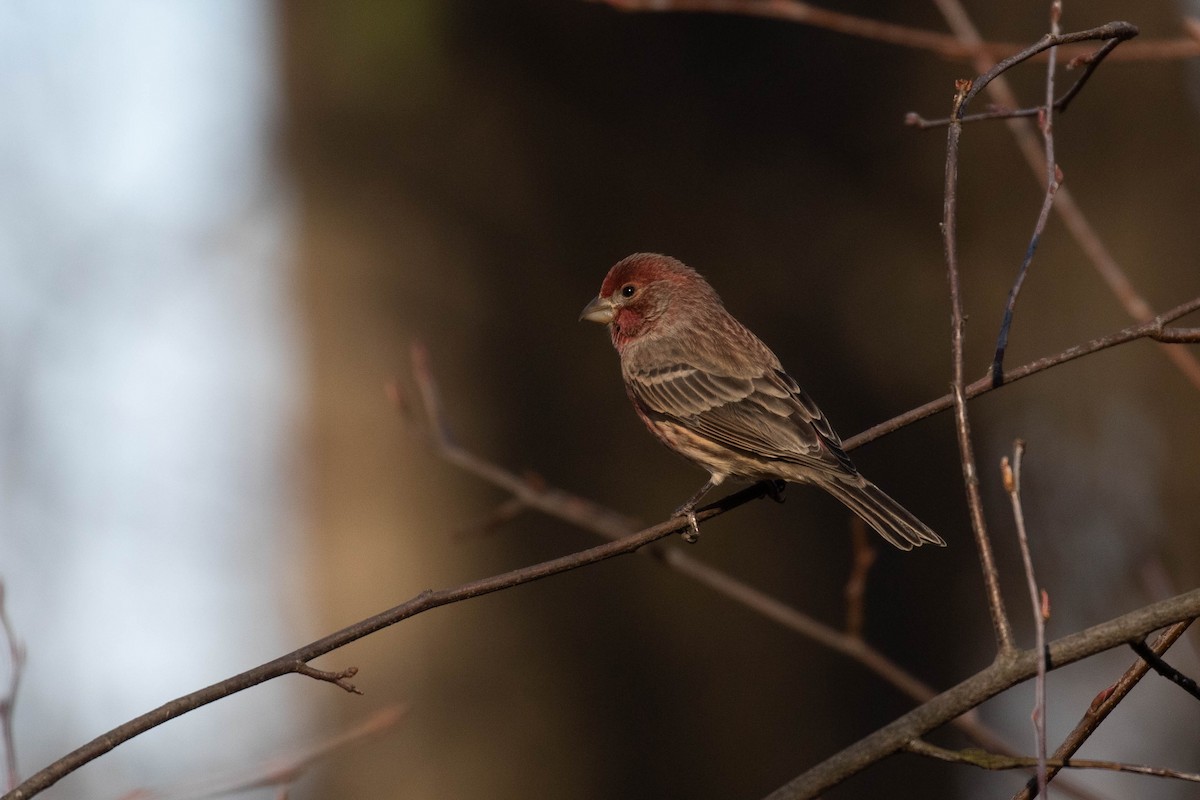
point(890, 520)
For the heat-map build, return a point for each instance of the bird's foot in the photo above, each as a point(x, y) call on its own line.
point(687, 511)
point(777, 490)
point(692, 534)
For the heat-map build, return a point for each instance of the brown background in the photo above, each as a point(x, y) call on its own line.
point(467, 172)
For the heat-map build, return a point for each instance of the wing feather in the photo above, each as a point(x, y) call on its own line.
point(767, 417)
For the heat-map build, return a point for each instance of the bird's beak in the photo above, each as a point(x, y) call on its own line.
point(599, 310)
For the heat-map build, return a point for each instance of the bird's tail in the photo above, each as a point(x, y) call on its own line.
point(890, 519)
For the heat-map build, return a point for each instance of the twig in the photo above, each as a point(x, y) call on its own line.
point(1053, 180)
point(987, 560)
point(1065, 206)
point(297, 660)
point(1090, 61)
point(944, 45)
point(16, 665)
point(1160, 666)
point(1152, 329)
point(1012, 485)
point(989, 682)
point(856, 584)
point(607, 523)
point(280, 771)
point(1103, 705)
point(339, 679)
point(984, 760)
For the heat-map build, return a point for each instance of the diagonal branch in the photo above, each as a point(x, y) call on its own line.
point(1103, 705)
point(1155, 329)
point(1065, 206)
point(1001, 675)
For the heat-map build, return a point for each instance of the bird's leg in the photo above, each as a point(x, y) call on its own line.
point(688, 509)
point(777, 490)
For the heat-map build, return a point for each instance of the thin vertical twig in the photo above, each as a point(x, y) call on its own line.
point(16, 661)
point(991, 577)
point(1038, 600)
point(1104, 704)
point(856, 584)
point(1053, 181)
point(1068, 210)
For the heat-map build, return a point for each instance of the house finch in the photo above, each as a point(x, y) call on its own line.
point(710, 390)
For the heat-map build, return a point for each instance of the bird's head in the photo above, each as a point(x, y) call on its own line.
point(643, 294)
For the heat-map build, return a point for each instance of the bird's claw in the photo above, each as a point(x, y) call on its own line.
point(777, 490)
point(692, 534)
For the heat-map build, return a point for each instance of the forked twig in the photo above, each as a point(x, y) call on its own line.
point(1104, 704)
point(1065, 206)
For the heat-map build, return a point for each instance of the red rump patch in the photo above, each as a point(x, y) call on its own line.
point(642, 268)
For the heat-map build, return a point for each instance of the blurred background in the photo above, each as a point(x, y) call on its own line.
point(224, 224)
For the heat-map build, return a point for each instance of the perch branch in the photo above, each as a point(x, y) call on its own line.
point(297, 660)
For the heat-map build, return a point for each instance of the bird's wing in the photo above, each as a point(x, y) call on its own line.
point(767, 416)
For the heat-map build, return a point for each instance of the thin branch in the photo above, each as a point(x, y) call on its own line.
point(936, 42)
point(16, 666)
point(297, 660)
point(280, 771)
point(856, 584)
point(1155, 329)
point(1053, 180)
point(593, 517)
point(1160, 666)
point(339, 679)
point(993, 761)
point(1090, 61)
point(987, 560)
point(1065, 206)
point(1037, 599)
point(1104, 704)
point(1001, 675)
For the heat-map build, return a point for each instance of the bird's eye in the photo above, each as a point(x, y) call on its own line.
point(628, 290)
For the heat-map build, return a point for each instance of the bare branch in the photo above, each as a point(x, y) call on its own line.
point(1160, 666)
point(297, 660)
point(1152, 329)
point(1037, 599)
point(984, 760)
point(1103, 705)
point(1020, 666)
point(1065, 206)
point(856, 584)
point(339, 679)
point(280, 771)
point(987, 560)
point(16, 666)
point(936, 42)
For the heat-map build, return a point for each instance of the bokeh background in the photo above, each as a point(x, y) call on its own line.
point(224, 224)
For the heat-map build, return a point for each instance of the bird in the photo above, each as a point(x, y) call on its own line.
point(710, 390)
